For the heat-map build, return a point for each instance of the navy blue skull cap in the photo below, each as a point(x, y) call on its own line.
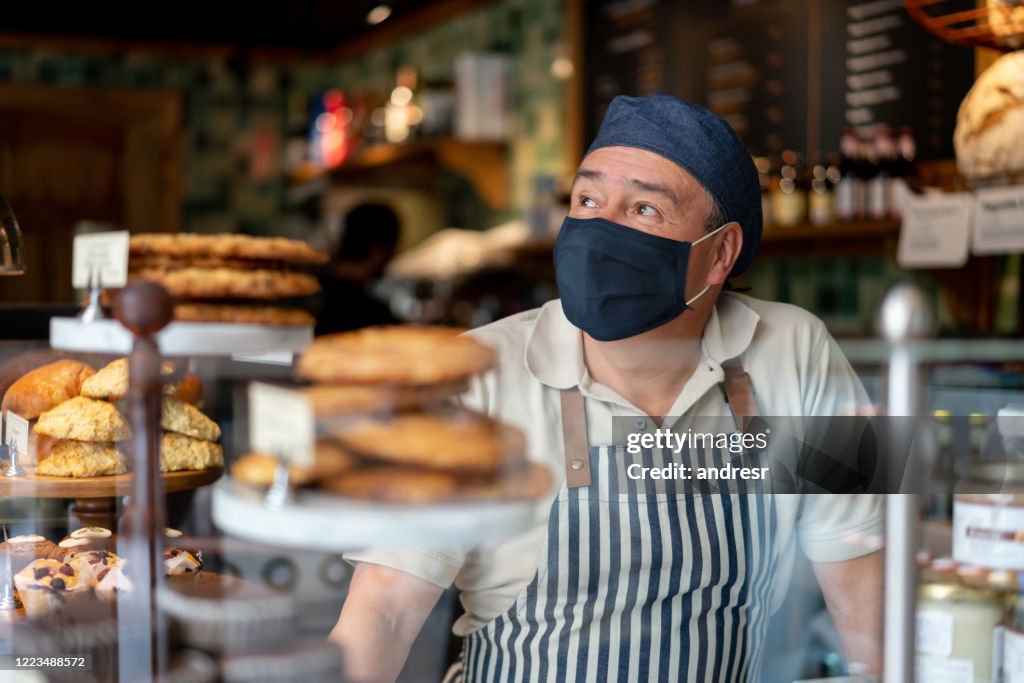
point(703, 144)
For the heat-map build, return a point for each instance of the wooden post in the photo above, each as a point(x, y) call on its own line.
point(144, 309)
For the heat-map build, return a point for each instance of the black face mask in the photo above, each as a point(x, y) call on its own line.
point(616, 282)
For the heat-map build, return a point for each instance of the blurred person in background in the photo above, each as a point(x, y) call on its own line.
point(368, 242)
point(632, 580)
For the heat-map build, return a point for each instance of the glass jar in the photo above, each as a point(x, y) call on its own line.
point(955, 629)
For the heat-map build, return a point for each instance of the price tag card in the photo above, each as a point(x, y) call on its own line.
point(16, 435)
point(103, 253)
point(281, 423)
point(936, 231)
point(998, 220)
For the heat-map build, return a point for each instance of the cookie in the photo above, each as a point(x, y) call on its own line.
point(461, 441)
point(409, 485)
point(257, 469)
point(231, 313)
point(182, 418)
point(328, 400)
point(84, 419)
point(395, 355)
point(80, 460)
point(179, 452)
point(220, 283)
point(225, 246)
point(166, 262)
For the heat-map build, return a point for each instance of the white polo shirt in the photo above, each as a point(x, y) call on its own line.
point(795, 368)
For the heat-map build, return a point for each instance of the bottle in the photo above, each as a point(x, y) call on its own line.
point(940, 488)
point(846, 184)
point(821, 200)
point(789, 199)
point(764, 169)
point(904, 176)
point(880, 189)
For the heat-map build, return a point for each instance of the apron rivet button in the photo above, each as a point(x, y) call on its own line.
point(577, 464)
point(640, 423)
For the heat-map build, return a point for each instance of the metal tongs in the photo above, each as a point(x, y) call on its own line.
point(93, 309)
point(8, 600)
point(14, 469)
point(280, 492)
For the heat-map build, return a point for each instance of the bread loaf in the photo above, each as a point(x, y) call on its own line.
point(989, 137)
point(46, 387)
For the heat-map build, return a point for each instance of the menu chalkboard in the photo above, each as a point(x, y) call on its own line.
point(787, 74)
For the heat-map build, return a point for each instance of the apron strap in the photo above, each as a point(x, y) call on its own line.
point(574, 439)
point(739, 394)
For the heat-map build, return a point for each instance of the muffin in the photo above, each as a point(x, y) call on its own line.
point(44, 585)
point(89, 538)
point(111, 581)
point(178, 562)
point(24, 549)
point(90, 563)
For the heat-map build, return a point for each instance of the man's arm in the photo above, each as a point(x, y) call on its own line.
point(853, 594)
point(382, 615)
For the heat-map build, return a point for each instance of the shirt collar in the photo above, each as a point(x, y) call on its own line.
point(554, 349)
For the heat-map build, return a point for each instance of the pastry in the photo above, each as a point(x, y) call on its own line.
point(46, 387)
point(409, 485)
point(989, 135)
point(45, 585)
point(395, 354)
point(224, 283)
point(237, 313)
point(88, 538)
point(111, 383)
point(182, 418)
point(179, 452)
point(111, 581)
point(461, 441)
point(90, 563)
point(26, 548)
point(83, 459)
point(257, 469)
point(166, 262)
point(178, 561)
point(329, 400)
point(84, 419)
point(1006, 21)
point(229, 246)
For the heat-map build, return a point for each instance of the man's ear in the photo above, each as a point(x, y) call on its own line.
point(728, 247)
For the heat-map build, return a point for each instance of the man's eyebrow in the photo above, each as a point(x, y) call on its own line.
point(655, 187)
point(588, 175)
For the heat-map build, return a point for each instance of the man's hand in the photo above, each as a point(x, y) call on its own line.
point(853, 594)
point(384, 611)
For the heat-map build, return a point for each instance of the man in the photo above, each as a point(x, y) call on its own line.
point(628, 580)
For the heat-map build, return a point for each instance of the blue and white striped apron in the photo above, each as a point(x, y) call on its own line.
point(638, 583)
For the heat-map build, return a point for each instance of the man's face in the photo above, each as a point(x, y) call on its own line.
point(642, 190)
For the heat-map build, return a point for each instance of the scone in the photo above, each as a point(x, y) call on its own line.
point(84, 419)
point(462, 441)
point(111, 382)
point(182, 418)
point(395, 355)
point(179, 452)
point(88, 538)
point(26, 548)
point(82, 459)
point(257, 469)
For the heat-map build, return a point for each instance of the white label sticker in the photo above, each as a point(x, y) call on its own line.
point(934, 633)
point(281, 423)
point(17, 433)
point(1013, 657)
point(998, 221)
point(989, 535)
point(942, 670)
point(936, 230)
point(102, 253)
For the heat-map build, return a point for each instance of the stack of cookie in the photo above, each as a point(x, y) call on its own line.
point(83, 432)
point(385, 396)
point(228, 278)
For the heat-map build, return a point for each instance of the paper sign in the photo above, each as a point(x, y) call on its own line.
point(936, 231)
point(281, 423)
point(17, 433)
point(998, 220)
point(103, 253)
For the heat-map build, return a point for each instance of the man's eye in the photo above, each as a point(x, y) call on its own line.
point(646, 210)
point(587, 201)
